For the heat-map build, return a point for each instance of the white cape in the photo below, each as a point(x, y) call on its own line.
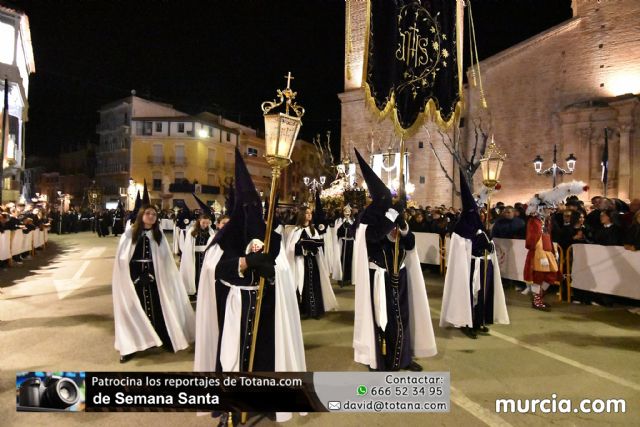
point(289, 348)
point(329, 238)
point(336, 251)
point(297, 265)
point(133, 329)
point(187, 262)
point(423, 342)
point(456, 298)
point(179, 235)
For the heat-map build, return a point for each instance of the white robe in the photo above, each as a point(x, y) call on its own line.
point(336, 251)
point(329, 243)
point(297, 264)
point(423, 342)
point(187, 262)
point(456, 298)
point(179, 236)
point(133, 330)
point(289, 348)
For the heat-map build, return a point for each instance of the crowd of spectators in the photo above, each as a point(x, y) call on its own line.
point(609, 222)
point(20, 218)
point(605, 221)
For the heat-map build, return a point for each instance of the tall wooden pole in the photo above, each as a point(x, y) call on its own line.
point(396, 252)
point(275, 175)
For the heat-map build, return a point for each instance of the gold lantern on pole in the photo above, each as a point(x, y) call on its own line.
point(491, 164)
point(281, 131)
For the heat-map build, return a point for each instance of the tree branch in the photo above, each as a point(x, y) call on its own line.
point(444, 169)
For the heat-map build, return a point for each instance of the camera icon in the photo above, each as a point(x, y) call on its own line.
point(53, 392)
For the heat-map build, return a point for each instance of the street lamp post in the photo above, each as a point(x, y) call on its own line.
point(554, 170)
point(314, 185)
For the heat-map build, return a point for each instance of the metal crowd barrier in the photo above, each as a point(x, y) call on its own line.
point(561, 269)
point(443, 256)
point(30, 246)
point(568, 259)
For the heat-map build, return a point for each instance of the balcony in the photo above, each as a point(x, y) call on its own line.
point(210, 189)
point(110, 148)
point(178, 161)
point(213, 164)
point(155, 160)
point(182, 188)
point(111, 126)
point(112, 168)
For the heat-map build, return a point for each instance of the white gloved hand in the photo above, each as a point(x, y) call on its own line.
point(392, 214)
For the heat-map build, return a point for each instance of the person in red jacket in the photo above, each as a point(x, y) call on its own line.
point(541, 266)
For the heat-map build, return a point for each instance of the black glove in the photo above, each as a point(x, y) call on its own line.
point(400, 222)
point(481, 242)
point(401, 205)
point(262, 264)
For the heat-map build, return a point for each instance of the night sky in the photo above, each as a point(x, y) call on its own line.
point(221, 56)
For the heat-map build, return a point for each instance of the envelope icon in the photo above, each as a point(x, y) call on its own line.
point(334, 406)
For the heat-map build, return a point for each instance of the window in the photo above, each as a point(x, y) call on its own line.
point(157, 184)
point(158, 126)
point(179, 154)
point(146, 130)
point(180, 127)
point(252, 151)
point(7, 35)
point(420, 144)
point(422, 180)
point(228, 137)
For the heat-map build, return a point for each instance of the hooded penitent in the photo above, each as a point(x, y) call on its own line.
point(204, 208)
point(136, 208)
point(229, 244)
point(193, 251)
point(381, 200)
point(229, 201)
point(469, 222)
point(146, 202)
point(370, 295)
point(245, 221)
point(468, 301)
point(318, 212)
